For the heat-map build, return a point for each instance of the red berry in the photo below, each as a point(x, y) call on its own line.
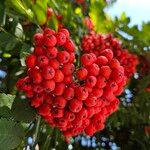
point(37, 88)
point(69, 116)
point(44, 110)
point(57, 113)
point(82, 73)
point(68, 79)
point(72, 58)
point(75, 105)
point(107, 53)
point(54, 63)
point(31, 61)
point(82, 114)
point(114, 63)
point(69, 46)
point(51, 52)
point(105, 71)
point(39, 51)
point(38, 39)
point(91, 81)
point(101, 82)
point(42, 61)
point(97, 92)
point(59, 76)
point(86, 59)
point(48, 85)
point(59, 88)
point(48, 72)
point(59, 102)
point(68, 69)
point(93, 70)
point(49, 40)
point(69, 93)
point(81, 93)
point(48, 31)
point(61, 38)
point(49, 12)
point(90, 101)
point(66, 32)
point(102, 61)
point(63, 57)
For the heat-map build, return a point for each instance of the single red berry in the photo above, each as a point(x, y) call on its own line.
point(90, 130)
point(101, 82)
point(114, 63)
point(36, 76)
point(63, 57)
point(48, 31)
point(59, 102)
point(93, 69)
point(82, 114)
point(69, 93)
point(48, 72)
point(102, 61)
point(112, 85)
point(49, 40)
point(68, 79)
point(69, 116)
point(61, 38)
point(31, 61)
point(51, 52)
point(90, 101)
point(38, 39)
point(54, 64)
point(44, 110)
point(69, 45)
point(91, 81)
point(81, 93)
point(37, 88)
point(29, 94)
point(90, 111)
point(94, 57)
point(72, 58)
point(105, 71)
point(37, 100)
point(68, 69)
point(49, 12)
point(59, 76)
point(42, 61)
point(48, 85)
point(75, 105)
point(66, 32)
point(82, 73)
point(97, 92)
point(108, 53)
point(59, 88)
point(39, 51)
point(86, 59)
point(57, 113)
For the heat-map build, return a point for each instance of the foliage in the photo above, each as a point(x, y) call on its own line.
point(19, 20)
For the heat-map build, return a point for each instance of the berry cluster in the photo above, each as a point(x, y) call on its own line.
point(98, 42)
point(75, 100)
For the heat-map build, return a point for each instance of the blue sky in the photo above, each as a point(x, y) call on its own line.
point(138, 10)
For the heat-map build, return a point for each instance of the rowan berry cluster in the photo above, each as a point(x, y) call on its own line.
point(75, 100)
point(98, 42)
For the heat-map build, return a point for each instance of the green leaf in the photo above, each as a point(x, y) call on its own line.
point(2, 15)
point(7, 41)
point(22, 111)
point(53, 23)
point(5, 112)
point(11, 134)
point(6, 99)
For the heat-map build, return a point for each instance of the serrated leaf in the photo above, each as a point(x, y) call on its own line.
point(5, 112)
point(6, 99)
point(22, 111)
point(11, 134)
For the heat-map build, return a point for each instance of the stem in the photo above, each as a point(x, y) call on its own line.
point(37, 131)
